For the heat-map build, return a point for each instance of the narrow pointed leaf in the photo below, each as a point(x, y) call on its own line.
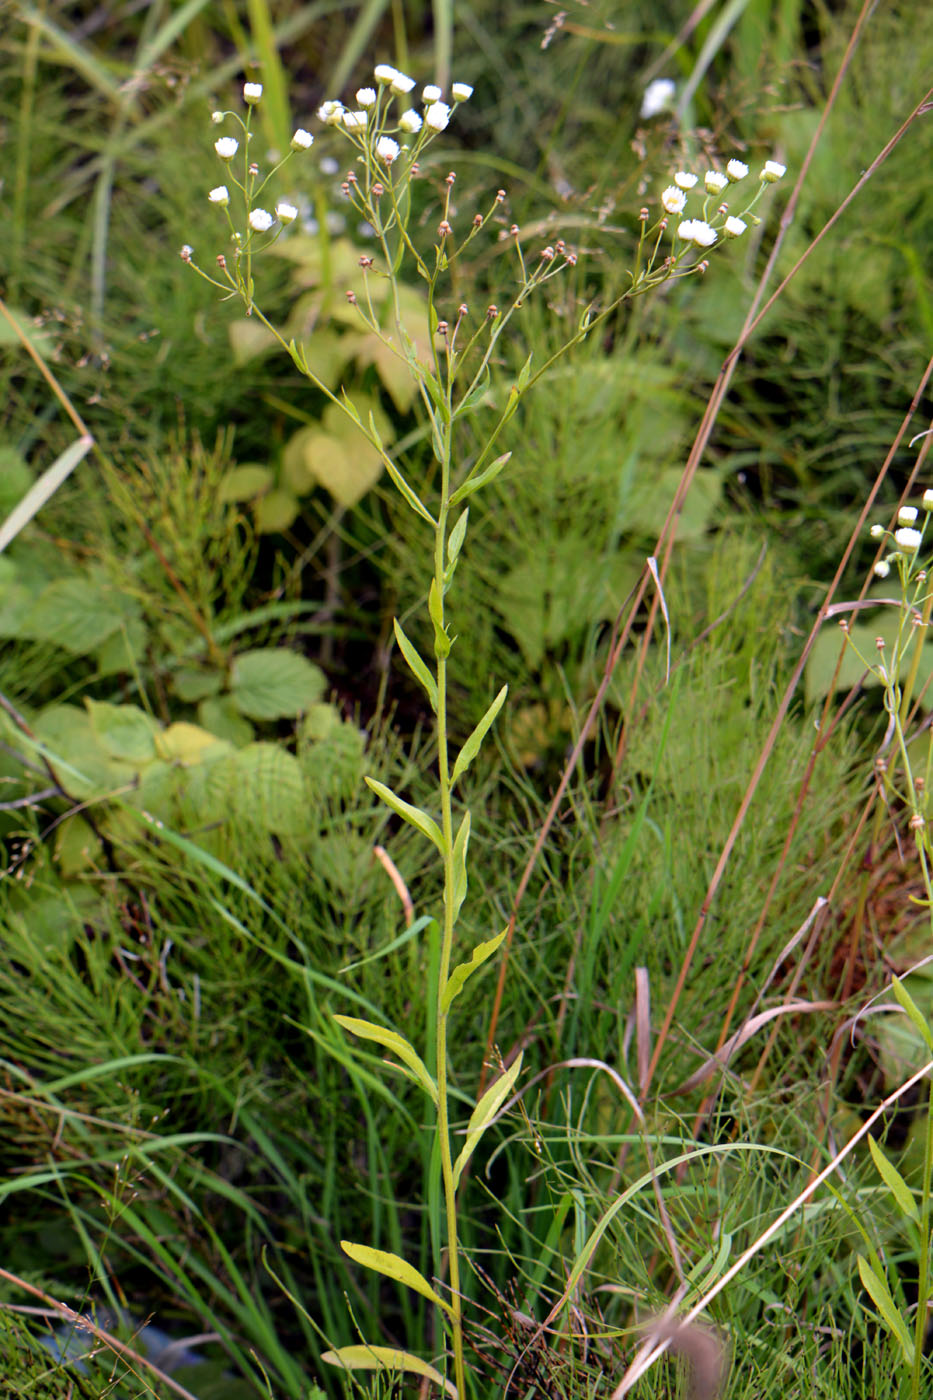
point(485, 1111)
point(394, 1267)
point(413, 815)
point(457, 536)
point(366, 1358)
point(913, 1011)
point(876, 1286)
point(460, 864)
point(401, 484)
point(368, 1030)
point(415, 664)
point(473, 483)
point(894, 1182)
point(464, 971)
point(472, 746)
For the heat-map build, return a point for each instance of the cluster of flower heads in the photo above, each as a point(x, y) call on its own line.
point(704, 231)
point(907, 538)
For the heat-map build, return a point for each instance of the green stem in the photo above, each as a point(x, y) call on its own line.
point(923, 1280)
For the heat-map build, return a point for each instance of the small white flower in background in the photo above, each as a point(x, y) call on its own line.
point(226, 147)
point(684, 181)
point(217, 117)
point(410, 121)
point(698, 232)
point(906, 515)
point(734, 227)
point(927, 501)
point(877, 532)
point(461, 92)
point(673, 200)
point(437, 116)
point(385, 73)
point(285, 213)
point(908, 540)
point(431, 94)
point(882, 568)
point(736, 170)
point(714, 182)
point(772, 171)
point(401, 83)
point(659, 96)
point(329, 166)
point(252, 92)
point(366, 97)
point(260, 220)
point(302, 140)
point(355, 121)
point(185, 252)
point(330, 112)
point(387, 149)
point(220, 195)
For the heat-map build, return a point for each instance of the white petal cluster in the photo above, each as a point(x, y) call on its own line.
point(736, 170)
point(285, 213)
point(733, 227)
point(876, 532)
point(226, 147)
point(659, 96)
point(252, 92)
point(410, 121)
point(907, 539)
point(927, 501)
point(673, 200)
point(330, 112)
point(907, 515)
point(772, 171)
point(217, 117)
point(461, 92)
point(437, 116)
point(684, 181)
point(302, 140)
point(715, 182)
point(387, 149)
point(220, 196)
point(431, 94)
point(698, 232)
point(260, 220)
point(355, 121)
point(882, 568)
point(366, 97)
point(401, 83)
point(385, 73)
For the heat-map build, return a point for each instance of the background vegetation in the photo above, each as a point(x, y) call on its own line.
point(196, 671)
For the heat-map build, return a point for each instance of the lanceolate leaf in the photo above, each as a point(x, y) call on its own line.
point(393, 1266)
point(913, 1010)
point(413, 815)
point(876, 1286)
point(464, 971)
point(472, 746)
point(895, 1182)
point(460, 865)
point(417, 667)
point(473, 483)
point(368, 1030)
point(485, 1111)
point(366, 1358)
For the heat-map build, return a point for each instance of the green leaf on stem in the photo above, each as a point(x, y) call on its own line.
point(876, 1286)
point(461, 843)
point(442, 642)
point(476, 398)
point(417, 667)
point(457, 536)
point(524, 374)
point(368, 1030)
point(406, 491)
point(485, 1111)
point(472, 746)
point(413, 815)
point(393, 1266)
point(473, 483)
point(913, 1011)
point(894, 1182)
point(367, 1358)
point(464, 971)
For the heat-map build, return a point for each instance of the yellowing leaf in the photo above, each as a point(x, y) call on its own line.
point(366, 1358)
point(184, 743)
point(485, 1111)
point(368, 1030)
point(464, 971)
point(393, 1266)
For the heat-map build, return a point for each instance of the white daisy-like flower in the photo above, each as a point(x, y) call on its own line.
point(437, 116)
point(431, 94)
point(401, 83)
point(882, 568)
point(736, 170)
point(698, 232)
point(285, 213)
point(908, 540)
point(260, 220)
point(302, 140)
point(355, 121)
point(684, 180)
point(387, 149)
point(733, 227)
point(659, 96)
point(217, 117)
point(772, 171)
point(366, 97)
point(876, 532)
point(385, 73)
point(330, 112)
point(673, 200)
point(927, 501)
point(461, 92)
point(226, 147)
point(410, 121)
point(252, 92)
point(220, 196)
point(907, 515)
point(715, 182)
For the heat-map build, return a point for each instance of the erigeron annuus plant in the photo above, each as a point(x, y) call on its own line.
point(389, 135)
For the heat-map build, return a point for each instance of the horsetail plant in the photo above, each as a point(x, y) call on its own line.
point(389, 139)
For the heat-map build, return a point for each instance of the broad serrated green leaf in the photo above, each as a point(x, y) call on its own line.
point(473, 483)
point(894, 1181)
point(461, 842)
point(413, 815)
point(273, 683)
point(73, 613)
point(368, 1030)
point(913, 1010)
point(367, 1358)
point(876, 1286)
point(393, 1266)
point(484, 1112)
point(124, 731)
point(268, 789)
point(472, 746)
point(417, 667)
point(464, 971)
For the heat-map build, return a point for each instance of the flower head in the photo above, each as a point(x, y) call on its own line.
point(355, 121)
point(906, 515)
point(733, 227)
point(877, 532)
point(715, 182)
point(908, 540)
point(252, 92)
point(302, 140)
point(431, 94)
point(684, 181)
point(401, 83)
point(366, 97)
point(387, 149)
point(226, 147)
point(330, 112)
point(260, 220)
point(736, 170)
point(217, 117)
point(461, 92)
point(220, 195)
point(385, 73)
point(285, 213)
point(927, 501)
point(698, 232)
point(673, 200)
point(772, 171)
point(659, 96)
point(882, 568)
point(410, 121)
point(437, 116)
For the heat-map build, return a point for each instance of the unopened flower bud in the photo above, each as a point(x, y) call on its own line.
point(882, 569)
point(876, 532)
point(217, 117)
point(443, 229)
